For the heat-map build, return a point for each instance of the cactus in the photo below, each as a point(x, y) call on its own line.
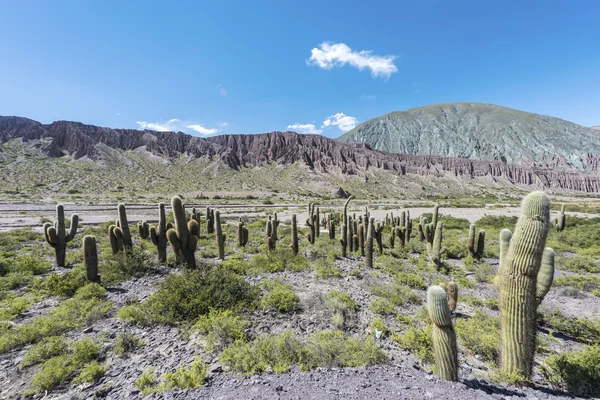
point(545, 276)
point(350, 236)
point(275, 224)
point(182, 241)
point(377, 233)
point(143, 230)
point(476, 247)
point(316, 222)
point(559, 223)
point(220, 236)
point(330, 224)
point(392, 238)
point(313, 223)
point(116, 242)
point(119, 233)
point(90, 258)
point(346, 210)
point(443, 338)
point(56, 234)
point(361, 239)
point(196, 216)
point(210, 220)
point(520, 267)
point(159, 235)
point(242, 234)
point(427, 230)
point(294, 244)
point(435, 249)
point(452, 292)
point(399, 232)
point(369, 243)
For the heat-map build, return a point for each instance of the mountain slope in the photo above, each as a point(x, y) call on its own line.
point(482, 132)
point(73, 157)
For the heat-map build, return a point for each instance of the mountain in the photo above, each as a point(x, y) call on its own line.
point(482, 132)
point(596, 127)
point(74, 158)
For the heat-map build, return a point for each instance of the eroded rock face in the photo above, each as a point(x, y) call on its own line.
point(317, 152)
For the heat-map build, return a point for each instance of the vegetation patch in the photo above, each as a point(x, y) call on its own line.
point(577, 372)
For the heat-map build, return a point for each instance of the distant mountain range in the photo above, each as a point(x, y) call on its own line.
point(482, 132)
point(71, 156)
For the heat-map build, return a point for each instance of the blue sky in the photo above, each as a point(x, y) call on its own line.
point(250, 66)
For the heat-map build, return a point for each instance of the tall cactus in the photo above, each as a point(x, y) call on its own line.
point(361, 239)
point(275, 224)
point(377, 233)
point(220, 236)
point(330, 226)
point(313, 223)
point(57, 236)
point(119, 233)
point(427, 230)
point(294, 244)
point(435, 248)
point(346, 210)
point(90, 258)
point(520, 268)
point(343, 240)
point(242, 234)
point(443, 338)
point(559, 223)
point(158, 235)
point(474, 246)
point(182, 240)
point(369, 243)
point(196, 216)
point(452, 292)
point(143, 230)
point(210, 220)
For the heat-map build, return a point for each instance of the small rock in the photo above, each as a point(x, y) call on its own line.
point(89, 329)
point(279, 388)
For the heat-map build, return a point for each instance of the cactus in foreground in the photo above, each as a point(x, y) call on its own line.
point(220, 236)
point(369, 243)
point(144, 230)
point(545, 276)
point(520, 270)
point(435, 249)
point(294, 244)
point(559, 223)
point(90, 258)
point(452, 292)
point(182, 241)
point(475, 247)
point(57, 236)
point(158, 235)
point(504, 240)
point(442, 334)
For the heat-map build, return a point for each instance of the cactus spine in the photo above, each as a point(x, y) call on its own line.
point(294, 244)
point(442, 334)
point(475, 247)
point(90, 258)
point(159, 236)
point(520, 267)
point(182, 240)
point(369, 243)
point(559, 223)
point(220, 236)
point(143, 230)
point(57, 236)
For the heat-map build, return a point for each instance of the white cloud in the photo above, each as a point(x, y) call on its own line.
point(304, 128)
point(176, 125)
point(339, 54)
point(223, 125)
point(341, 120)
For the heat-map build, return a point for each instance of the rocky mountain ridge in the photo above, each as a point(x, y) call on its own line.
point(77, 140)
point(483, 132)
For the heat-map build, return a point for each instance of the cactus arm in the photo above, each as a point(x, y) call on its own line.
point(153, 235)
point(50, 234)
point(73, 227)
point(545, 276)
point(174, 240)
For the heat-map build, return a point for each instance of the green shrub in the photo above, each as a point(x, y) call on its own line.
point(341, 306)
point(187, 296)
point(325, 268)
point(480, 335)
point(90, 373)
point(12, 306)
point(127, 342)
point(396, 294)
point(578, 372)
point(184, 377)
point(588, 283)
point(578, 264)
point(492, 304)
point(485, 273)
point(146, 382)
point(136, 262)
point(87, 305)
point(279, 352)
point(222, 328)
point(583, 329)
point(64, 285)
point(497, 222)
point(382, 306)
point(279, 296)
point(417, 340)
point(377, 324)
point(45, 349)
point(471, 300)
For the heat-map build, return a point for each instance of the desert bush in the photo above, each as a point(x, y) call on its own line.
point(578, 264)
point(63, 285)
point(583, 329)
point(497, 222)
point(341, 307)
point(90, 373)
point(417, 340)
point(480, 335)
point(13, 305)
point(279, 352)
point(396, 294)
point(45, 349)
point(127, 342)
point(484, 273)
point(87, 305)
point(222, 328)
point(578, 372)
point(377, 324)
point(325, 268)
point(279, 296)
point(588, 283)
point(491, 303)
